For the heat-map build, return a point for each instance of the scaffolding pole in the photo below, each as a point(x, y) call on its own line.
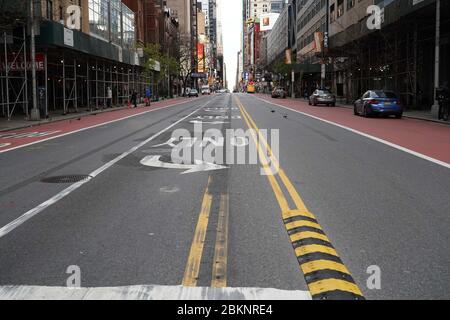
point(435, 107)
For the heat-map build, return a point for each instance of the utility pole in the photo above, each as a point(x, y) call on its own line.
point(435, 107)
point(34, 115)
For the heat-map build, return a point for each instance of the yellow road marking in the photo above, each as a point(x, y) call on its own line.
point(287, 182)
point(317, 265)
point(332, 285)
point(315, 288)
point(219, 272)
point(283, 203)
point(302, 223)
point(195, 255)
point(314, 248)
point(297, 213)
point(307, 235)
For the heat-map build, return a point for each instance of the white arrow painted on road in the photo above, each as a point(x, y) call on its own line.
point(206, 122)
point(154, 161)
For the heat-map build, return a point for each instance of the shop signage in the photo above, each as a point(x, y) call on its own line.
point(17, 62)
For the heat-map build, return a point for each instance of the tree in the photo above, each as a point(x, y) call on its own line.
point(168, 65)
point(282, 68)
point(185, 65)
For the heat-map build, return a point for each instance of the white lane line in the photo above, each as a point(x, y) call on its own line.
point(149, 292)
point(390, 144)
point(90, 127)
point(31, 213)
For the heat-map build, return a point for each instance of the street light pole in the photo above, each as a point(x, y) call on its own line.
point(34, 115)
point(435, 107)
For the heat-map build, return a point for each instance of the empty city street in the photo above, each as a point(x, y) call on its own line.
point(341, 202)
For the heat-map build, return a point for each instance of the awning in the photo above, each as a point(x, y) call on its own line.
point(307, 68)
point(55, 34)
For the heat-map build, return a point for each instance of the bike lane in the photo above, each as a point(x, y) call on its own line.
point(11, 140)
point(424, 139)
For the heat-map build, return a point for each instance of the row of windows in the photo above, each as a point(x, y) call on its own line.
point(112, 21)
point(337, 9)
point(310, 13)
point(308, 36)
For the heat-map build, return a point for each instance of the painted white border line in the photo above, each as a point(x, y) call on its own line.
point(90, 127)
point(31, 213)
point(149, 292)
point(390, 144)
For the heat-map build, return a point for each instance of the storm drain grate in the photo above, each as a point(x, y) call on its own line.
point(66, 179)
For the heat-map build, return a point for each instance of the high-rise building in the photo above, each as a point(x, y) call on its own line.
point(259, 7)
point(182, 9)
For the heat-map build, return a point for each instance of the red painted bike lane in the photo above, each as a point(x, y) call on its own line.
point(426, 138)
point(14, 139)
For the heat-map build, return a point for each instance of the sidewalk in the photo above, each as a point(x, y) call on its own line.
point(413, 114)
point(19, 122)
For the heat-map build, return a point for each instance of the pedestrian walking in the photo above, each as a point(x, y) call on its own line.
point(109, 97)
point(134, 98)
point(148, 96)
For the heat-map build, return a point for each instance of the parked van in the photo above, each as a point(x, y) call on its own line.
point(205, 90)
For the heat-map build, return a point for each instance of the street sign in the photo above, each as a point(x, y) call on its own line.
point(198, 75)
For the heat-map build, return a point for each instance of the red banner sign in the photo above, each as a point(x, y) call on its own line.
point(17, 62)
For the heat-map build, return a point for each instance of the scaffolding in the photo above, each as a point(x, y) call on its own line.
point(68, 81)
point(13, 73)
point(82, 81)
point(399, 57)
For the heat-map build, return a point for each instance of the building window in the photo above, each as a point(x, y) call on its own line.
point(128, 27)
point(49, 12)
point(98, 18)
point(340, 8)
point(332, 13)
point(115, 20)
point(350, 4)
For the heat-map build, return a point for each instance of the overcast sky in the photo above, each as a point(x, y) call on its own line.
point(231, 11)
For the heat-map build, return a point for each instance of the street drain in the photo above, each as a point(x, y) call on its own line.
point(66, 179)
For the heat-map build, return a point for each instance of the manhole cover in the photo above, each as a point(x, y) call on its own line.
point(66, 179)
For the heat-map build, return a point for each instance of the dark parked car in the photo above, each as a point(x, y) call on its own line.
point(193, 93)
point(279, 93)
point(322, 96)
point(379, 102)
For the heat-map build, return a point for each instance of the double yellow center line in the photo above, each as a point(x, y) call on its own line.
point(219, 269)
point(325, 274)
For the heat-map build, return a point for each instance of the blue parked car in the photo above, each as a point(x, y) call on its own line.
point(379, 102)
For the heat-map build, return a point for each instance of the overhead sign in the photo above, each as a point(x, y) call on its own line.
point(267, 21)
point(198, 75)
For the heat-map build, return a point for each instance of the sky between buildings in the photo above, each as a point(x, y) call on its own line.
point(231, 11)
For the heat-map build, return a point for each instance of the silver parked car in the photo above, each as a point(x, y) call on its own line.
point(322, 96)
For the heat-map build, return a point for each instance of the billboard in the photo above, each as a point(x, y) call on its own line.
point(267, 21)
point(201, 57)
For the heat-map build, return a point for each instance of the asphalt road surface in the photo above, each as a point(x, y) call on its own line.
point(340, 209)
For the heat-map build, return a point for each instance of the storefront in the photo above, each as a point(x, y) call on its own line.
point(75, 71)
